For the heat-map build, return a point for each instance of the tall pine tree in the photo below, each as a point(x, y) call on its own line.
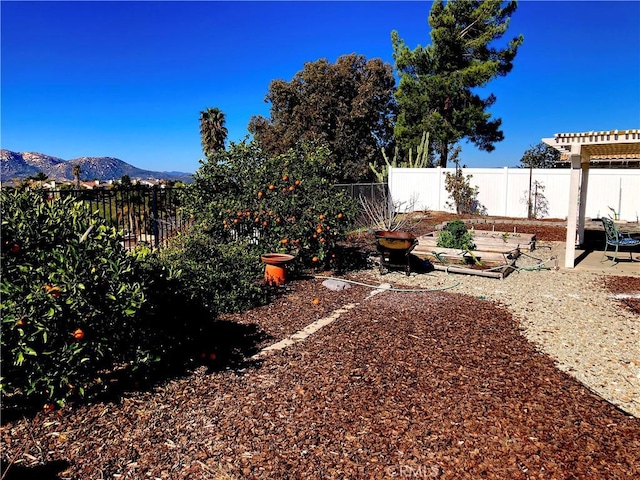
point(436, 93)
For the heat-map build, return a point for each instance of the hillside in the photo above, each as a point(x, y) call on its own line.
point(14, 165)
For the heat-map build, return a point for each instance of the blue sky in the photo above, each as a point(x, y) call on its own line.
point(128, 79)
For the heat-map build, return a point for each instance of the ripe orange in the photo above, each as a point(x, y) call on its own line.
point(272, 187)
point(264, 224)
point(340, 216)
point(285, 178)
point(52, 290)
point(78, 334)
point(321, 216)
point(284, 240)
point(319, 229)
point(291, 188)
point(20, 323)
point(316, 301)
point(314, 259)
point(298, 182)
point(260, 194)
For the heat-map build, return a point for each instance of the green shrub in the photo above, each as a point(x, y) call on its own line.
point(455, 235)
point(282, 204)
point(221, 278)
point(70, 298)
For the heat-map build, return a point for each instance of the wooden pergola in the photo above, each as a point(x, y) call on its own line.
point(580, 148)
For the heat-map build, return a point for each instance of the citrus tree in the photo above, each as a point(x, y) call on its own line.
point(285, 203)
point(70, 297)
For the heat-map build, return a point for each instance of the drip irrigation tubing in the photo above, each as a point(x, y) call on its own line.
point(391, 289)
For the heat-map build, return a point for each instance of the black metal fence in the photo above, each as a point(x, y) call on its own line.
point(373, 192)
point(155, 214)
point(144, 214)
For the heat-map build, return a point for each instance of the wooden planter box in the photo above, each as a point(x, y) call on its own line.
point(492, 252)
point(490, 241)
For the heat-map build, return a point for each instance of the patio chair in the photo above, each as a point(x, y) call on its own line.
point(617, 239)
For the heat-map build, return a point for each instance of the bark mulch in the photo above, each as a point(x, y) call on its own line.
point(404, 385)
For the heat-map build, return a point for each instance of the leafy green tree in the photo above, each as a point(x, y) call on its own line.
point(125, 181)
point(436, 94)
point(540, 156)
point(347, 106)
point(40, 177)
point(212, 130)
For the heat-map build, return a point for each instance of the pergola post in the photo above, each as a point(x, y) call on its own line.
point(584, 186)
point(572, 216)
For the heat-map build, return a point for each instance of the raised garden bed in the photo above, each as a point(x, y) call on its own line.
point(494, 255)
point(475, 262)
point(489, 241)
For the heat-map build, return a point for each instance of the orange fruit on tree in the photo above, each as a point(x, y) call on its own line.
point(284, 241)
point(260, 194)
point(285, 178)
point(298, 182)
point(78, 334)
point(319, 229)
point(340, 216)
point(291, 188)
point(264, 224)
point(314, 259)
point(321, 216)
point(20, 323)
point(272, 187)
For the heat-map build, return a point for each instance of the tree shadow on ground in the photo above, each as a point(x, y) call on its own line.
point(47, 471)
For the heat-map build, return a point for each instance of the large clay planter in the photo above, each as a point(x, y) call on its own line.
point(275, 272)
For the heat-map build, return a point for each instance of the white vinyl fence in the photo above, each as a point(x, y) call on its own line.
point(504, 191)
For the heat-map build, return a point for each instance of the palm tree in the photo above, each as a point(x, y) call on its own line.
point(77, 170)
point(212, 130)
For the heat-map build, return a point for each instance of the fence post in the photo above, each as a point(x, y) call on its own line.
point(154, 215)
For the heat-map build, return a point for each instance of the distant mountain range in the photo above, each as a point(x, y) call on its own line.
point(21, 165)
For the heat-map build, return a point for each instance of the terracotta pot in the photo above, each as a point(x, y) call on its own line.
point(275, 272)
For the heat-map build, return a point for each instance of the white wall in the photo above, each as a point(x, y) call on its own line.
point(503, 191)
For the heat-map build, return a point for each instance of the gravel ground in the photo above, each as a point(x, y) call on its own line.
point(433, 384)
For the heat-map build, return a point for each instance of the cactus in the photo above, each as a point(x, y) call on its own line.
point(384, 171)
point(422, 153)
point(421, 161)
